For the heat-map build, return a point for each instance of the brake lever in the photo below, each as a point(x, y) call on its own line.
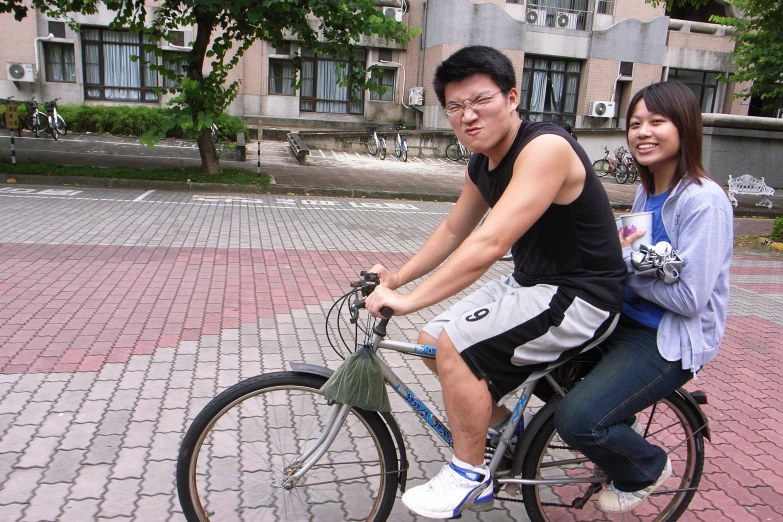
point(354, 308)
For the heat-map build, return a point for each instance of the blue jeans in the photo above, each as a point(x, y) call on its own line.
point(594, 416)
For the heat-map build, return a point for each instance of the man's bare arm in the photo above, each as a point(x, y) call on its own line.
point(547, 171)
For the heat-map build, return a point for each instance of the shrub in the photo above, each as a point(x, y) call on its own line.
point(777, 230)
point(133, 120)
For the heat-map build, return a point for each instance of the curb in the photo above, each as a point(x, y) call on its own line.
point(774, 245)
point(182, 186)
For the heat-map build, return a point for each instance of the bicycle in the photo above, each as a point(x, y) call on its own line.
point(36, 121)
point(608, 164)
point(376, 144)
point(215, 132)
point(55, 121)
point(629, 170)
point(272, 448)
point(456, 151)
point(400, 145)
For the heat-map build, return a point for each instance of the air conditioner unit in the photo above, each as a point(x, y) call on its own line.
point(536, 16)
point(393, 12)
point(416, 96)
point(601, 109)
point(567, 20)
point(20, 72)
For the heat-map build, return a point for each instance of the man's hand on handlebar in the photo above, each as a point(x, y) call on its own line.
point(383, 296)
point(388, 278)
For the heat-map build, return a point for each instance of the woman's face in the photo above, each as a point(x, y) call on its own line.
point(653, 139)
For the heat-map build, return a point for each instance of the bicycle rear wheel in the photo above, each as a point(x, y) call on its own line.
point(452, 152)
point(238, 453)
point(382, 148)
point(372, 145)
point(670, 424)
point(601, 167)
point(62, 128)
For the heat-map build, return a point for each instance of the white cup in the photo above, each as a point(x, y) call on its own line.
point(619, 222)
point(638, 221)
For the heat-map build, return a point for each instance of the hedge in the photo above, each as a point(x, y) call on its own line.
point(129, 120)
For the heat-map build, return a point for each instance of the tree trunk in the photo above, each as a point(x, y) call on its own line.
point(210, 163)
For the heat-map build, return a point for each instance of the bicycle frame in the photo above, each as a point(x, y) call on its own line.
point(310, 457)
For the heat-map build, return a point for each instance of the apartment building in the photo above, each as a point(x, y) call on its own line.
point(577, 61)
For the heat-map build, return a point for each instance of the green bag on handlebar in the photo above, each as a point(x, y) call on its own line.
point(359, 382)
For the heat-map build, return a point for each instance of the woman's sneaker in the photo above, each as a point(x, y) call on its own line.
point(452, 490)
point(612, 500)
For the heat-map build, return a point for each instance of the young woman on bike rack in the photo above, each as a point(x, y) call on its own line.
point(669, 328)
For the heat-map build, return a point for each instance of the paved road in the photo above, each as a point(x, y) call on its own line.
point(123, 312)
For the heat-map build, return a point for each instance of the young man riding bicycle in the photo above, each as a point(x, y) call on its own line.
point(550, 209)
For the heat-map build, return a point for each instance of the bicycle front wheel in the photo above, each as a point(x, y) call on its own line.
point(240, 450)
point(601, 167)
point(404, 153)
point(53, 128)
point(382, 149)
point(621, 173)
point(669, 424)
point(372, 145)
point(62, 128)
point(452, 152)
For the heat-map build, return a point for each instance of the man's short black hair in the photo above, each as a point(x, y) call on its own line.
point(474, 60)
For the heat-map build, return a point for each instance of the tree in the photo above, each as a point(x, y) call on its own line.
point(758, 50)
point(225, 29)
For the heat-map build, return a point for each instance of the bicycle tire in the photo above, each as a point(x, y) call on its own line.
point(397, 148)
point(382, 148)
point(32, 125)
point(372, 145)
point(62, 128)
point(404, 153)
point(620, 173)
point(673, 422)
point(53, 129)
point(601, 167)
point(452, 152)
point(279, 415)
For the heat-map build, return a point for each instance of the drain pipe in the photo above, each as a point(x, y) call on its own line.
point(40, 38)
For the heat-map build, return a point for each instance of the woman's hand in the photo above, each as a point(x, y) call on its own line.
point(627, 241)
point(388, 278)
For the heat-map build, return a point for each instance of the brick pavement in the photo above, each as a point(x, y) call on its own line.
point(122, 314)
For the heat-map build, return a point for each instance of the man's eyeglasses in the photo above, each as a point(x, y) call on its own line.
point(455, 109)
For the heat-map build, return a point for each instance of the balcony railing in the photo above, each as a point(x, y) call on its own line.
point(558, 17)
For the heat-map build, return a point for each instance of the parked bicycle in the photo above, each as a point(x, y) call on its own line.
point(53, 118)
point(629, 173)
point(273, 448)
point(376, 144)
point(456, 151)
point(215, 133)
point(607, 164)
point(36, 121)
point(400, 145)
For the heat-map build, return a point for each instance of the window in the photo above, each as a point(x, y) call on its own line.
point(549, 89)
point(320, 91)
point(282, 48)
point(177, 62)
point(56, 29)
point(703, 84)
point(281, 74)
point(384, 55)
point(605, 7)
point(384, 77)
point(177, 38)
point(60, 64)
point(109, 72)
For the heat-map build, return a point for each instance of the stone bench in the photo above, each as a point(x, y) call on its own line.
point(749, 186)
point(298, 148)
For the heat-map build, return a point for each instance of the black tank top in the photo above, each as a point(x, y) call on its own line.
point(572, 246)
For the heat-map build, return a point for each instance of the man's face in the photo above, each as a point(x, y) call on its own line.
point(483, 127)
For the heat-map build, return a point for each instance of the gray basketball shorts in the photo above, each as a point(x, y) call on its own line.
point(510, 334)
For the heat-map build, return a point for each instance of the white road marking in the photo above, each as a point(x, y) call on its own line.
point(144, 195)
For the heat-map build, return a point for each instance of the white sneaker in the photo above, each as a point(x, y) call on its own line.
point(612, 500)
point(452, 490)
point(637, 427)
